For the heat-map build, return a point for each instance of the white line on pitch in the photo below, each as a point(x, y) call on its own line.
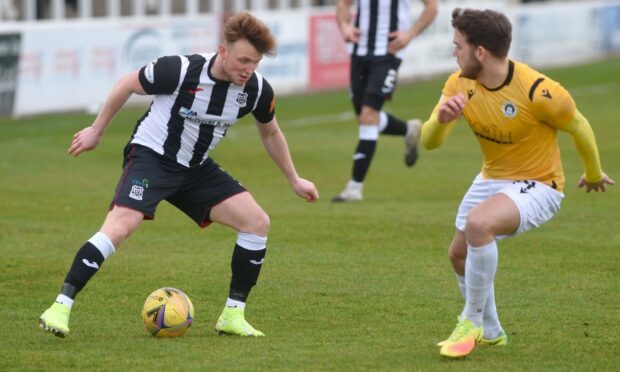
point(593, 89)
point(349, 115)
point(319, 119)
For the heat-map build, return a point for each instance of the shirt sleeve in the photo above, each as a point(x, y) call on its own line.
point(583, 136)
point(552, 104)
point(433, 132)
point(161, 76)
point(265, 109)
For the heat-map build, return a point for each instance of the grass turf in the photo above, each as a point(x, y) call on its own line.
point(345, 286)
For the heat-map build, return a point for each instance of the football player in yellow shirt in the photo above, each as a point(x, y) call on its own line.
point(515, 113)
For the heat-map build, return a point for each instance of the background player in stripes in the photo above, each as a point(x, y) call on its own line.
point(197, 98)
point(515, 113)
point(380, 32)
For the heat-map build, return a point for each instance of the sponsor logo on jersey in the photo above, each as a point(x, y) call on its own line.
point(190, 115)
point(545, 93)
point(493, 133)
point(187, 113)
point(509, 109)
point(242, 99)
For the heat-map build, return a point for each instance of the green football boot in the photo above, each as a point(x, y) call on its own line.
point(232, 322)
point(500, 340)
point(462, 340)
point(56, 320)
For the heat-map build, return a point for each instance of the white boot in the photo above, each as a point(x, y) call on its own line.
point(352, 192)
point(411, 141)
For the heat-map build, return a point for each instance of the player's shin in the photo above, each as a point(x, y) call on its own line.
point(480, 268)
point(246, 263)
point(490, 320)
point(86, 263)
point(391, 125)
point(368, 135)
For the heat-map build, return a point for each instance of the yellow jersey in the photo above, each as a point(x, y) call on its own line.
point(516, 124)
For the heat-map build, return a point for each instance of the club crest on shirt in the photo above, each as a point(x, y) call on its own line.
point(242, 99)
point(509, 109)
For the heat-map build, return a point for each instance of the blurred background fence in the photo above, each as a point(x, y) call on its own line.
point(64, 55)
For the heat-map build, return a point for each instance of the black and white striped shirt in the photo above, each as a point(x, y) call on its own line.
point(376, 19)
point(192, 110)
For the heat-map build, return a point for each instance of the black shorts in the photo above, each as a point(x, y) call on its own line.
point(373, 80)
point(149, 178)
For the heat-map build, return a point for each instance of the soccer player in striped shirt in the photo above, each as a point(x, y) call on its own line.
point(380, 32)
point(515, 112)
point(197, 98)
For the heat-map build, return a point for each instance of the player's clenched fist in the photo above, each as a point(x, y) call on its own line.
point(451, 108)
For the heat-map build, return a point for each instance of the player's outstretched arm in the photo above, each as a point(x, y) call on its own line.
point(596, 186)
point(594, 178)
point(89, 137)
point(275, 144)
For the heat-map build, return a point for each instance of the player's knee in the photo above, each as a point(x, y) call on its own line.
point(262, 224)
point(476, 226)
point(119, 226)
point(457, 255)
point(368, 117)
point(259, 225)
point(118, 233)
point(357, 107)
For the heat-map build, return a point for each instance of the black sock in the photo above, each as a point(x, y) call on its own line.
point(245, 266)
point(361, 160)
point(86, 263)
point(395, 126)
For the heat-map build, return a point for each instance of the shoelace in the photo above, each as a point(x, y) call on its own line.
point(461, 329)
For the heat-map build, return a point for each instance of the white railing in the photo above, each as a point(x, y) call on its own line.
point(53, 65)
point(32, 10)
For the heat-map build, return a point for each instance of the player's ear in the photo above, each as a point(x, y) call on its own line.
point(221, 50)
point(480, 53)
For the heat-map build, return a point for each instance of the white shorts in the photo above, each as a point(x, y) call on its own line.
point(537, 202)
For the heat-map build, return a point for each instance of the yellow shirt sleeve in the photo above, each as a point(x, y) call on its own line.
point(433, 132)
point(552, 104)
point(583, 136)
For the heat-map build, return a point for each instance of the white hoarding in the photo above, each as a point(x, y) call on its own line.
point(73, 66)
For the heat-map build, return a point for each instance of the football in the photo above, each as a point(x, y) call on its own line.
point(167, 312)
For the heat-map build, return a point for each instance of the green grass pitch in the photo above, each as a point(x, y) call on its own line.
point(363, 286)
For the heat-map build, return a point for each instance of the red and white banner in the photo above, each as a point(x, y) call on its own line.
point(328, 54)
